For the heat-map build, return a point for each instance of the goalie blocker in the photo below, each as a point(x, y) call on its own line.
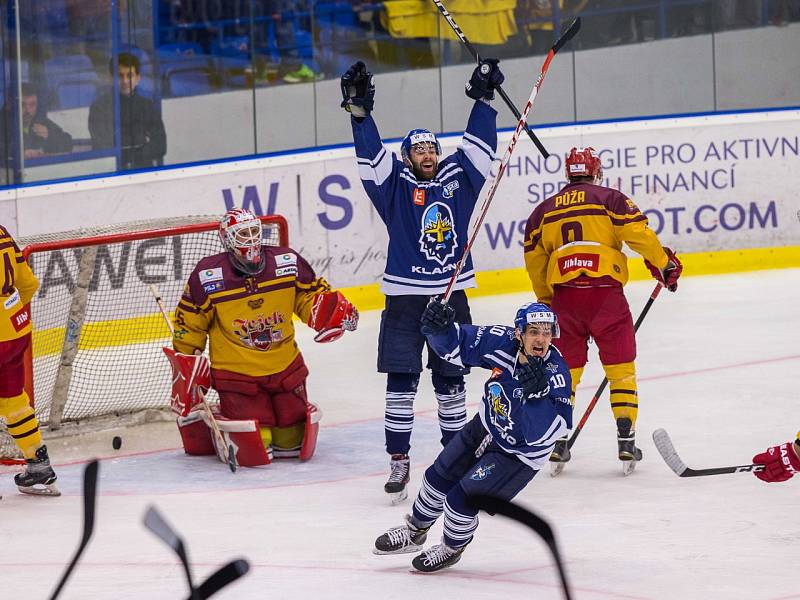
point(191, 379)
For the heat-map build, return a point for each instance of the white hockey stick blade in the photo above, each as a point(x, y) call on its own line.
point(156, 523)
point(667, 450)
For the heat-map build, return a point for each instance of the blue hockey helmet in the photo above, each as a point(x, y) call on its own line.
point(536, 312)
point(418, 136)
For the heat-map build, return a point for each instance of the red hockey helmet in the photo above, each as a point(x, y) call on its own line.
point(583, 162)
point(240, 233)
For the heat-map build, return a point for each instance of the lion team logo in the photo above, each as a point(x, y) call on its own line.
point(260, 332)
point(438, 238)
point(500, 407)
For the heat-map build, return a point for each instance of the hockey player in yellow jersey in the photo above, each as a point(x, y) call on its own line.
point(573, 254)
point(18, 284)
point(242, 301)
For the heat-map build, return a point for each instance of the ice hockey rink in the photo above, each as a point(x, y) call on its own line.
point(718, 369)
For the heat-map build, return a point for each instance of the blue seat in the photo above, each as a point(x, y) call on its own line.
point(71, 79)
point(188, 82)
point(72, 93)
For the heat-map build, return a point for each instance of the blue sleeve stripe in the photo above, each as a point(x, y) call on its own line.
point(478, 153)
point(375, 161)
point(499, 362)
point(377, 172)
point(511, 359)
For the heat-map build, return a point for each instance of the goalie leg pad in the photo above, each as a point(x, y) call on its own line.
point(245, 437)
point(313, 417)
point(195, 435)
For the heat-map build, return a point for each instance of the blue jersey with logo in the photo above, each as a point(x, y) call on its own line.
point(526, 427)
point(427, 221)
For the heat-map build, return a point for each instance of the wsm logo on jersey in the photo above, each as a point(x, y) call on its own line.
point(482, 473)
point(438, 238)
point(500, 407)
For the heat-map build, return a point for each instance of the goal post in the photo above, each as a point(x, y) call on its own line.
point(97, 332)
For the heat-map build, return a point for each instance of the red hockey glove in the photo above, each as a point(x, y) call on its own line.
point(331, 316)
point(669, 276)
point(191, 378)
point(780, 463)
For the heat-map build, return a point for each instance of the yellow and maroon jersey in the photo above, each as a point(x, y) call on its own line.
point(247, 318)
point(578, 233)
point(18, 284)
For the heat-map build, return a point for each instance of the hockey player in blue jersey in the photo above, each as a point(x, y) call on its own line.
point(426, 204)
point(526, 407)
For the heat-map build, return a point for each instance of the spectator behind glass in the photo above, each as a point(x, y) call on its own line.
point(143, 139)
point(40, 135)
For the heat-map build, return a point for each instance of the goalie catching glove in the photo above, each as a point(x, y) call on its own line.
point(668, 277)
point(331, 316)
point(191, 378)
point(358, 90)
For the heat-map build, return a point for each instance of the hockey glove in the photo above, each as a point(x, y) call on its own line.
point(331, 316)
point(669, 276)
point(485, 78)
point(532, 375)
point(358, 90)
point(437, 317)
point(191, 378)
point(780, 463)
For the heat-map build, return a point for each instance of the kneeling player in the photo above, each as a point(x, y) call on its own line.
point(243, 300)
point(525, 409)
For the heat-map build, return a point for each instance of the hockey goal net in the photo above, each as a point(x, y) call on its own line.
point(98, 331)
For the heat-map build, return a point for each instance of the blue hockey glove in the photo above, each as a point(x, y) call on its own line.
point(358, 90)
point(532, 375)
point(437, 317)
point(485, 78)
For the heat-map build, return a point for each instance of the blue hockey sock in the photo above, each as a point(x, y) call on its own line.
point(399, 417)
point(430, 499)
point(451, 396)
point(460, 520)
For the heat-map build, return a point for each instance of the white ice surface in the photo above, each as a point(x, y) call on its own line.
point(719, 368)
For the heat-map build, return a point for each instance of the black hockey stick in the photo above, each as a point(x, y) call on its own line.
point(89, 497)
point(222, 577)
point(674, 462)
point(156, 523)
point(449, 18)
point(490, 189)
point(603, 385)
point(513, 511)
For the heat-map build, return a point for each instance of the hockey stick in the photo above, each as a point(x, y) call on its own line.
point(156, 523)
point(674, 462)
point(449, 18)
point(493, 506)
point(603, 385)
point(222, 577)
point(492, 188)
point(227, 450)
point(89, 497)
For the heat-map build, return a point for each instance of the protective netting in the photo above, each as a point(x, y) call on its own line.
point(8, 449)
point(98, 331)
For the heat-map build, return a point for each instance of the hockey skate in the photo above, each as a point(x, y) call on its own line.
point(402, 539)
point(629, 454)
point(559, 457)
point(39, 479)
point(436, 558)
point(399, 477)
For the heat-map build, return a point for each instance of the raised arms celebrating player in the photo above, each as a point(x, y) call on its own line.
point(780, 462)
point(526, 407)
point(242, 300)
point(17, 286)
point(573, 254)
point(426, 204)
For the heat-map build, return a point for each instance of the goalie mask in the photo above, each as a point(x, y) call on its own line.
point(583, 162)
point(240, 234)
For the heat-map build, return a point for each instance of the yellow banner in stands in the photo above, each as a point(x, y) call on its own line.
point(482, 21)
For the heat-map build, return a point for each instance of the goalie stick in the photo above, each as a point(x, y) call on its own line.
point(492, 187)
point(89, 497)
point(674, 462)
point(449, 18)
point(493, 506)
point(227, 449)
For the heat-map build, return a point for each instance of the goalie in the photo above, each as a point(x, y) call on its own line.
point(242, 300)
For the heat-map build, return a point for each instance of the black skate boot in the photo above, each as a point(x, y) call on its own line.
point(629, 454)
point(398, 478)
point(437, 557)
point(559, 457)
point(404, 538)
point(39, 478)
